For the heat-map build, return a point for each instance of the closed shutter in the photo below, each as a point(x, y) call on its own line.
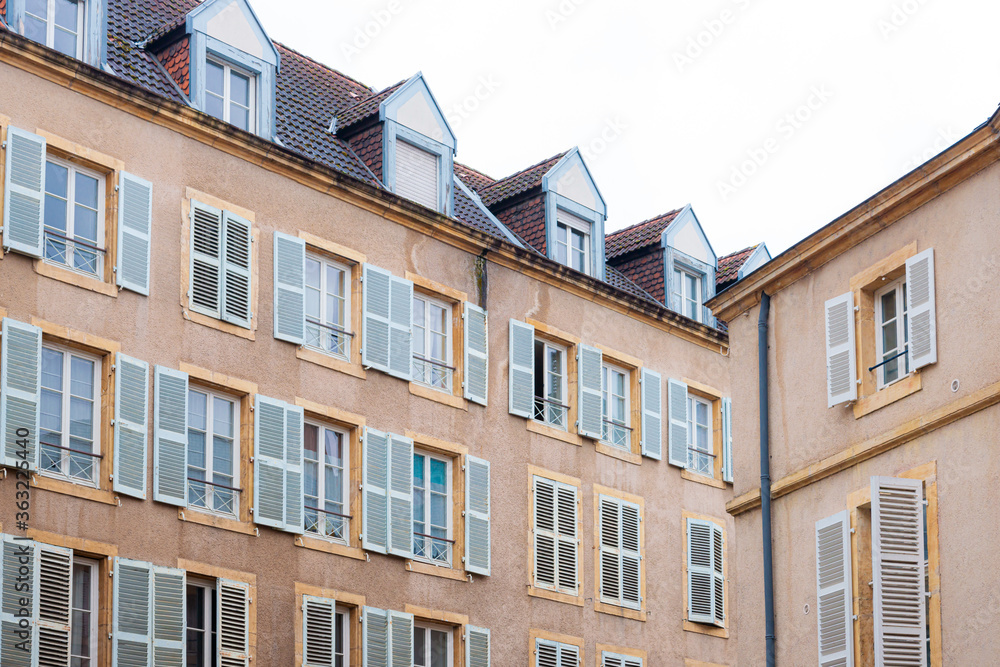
point(375, 486)
point(387, 305)
point(236, 302)
point(706, 579)
point(234, 623)
point(477, 516)
point(375, 638)
point(477, 647)
point(621, 559)
point(522, 369)
point(400, 639)
point(400, 496)
point(132, 637)
point(24, 192)
point(677, 406)
point(289, 288)
point(170, 419)
point(206, 259)
point(841, 365)
point(135, 224)
point(610, 539)
point(591, 423)
point(417, 174)
point(631, 557)
point(727, 439)
point(477, 361)
point(652, 414)
point(319, 631)
point(53, 584)
point(898, 569)
point(556, 542)
point(834, 617)
point(921, 320)
point(400, 328)
point(169, 619)
point(278, 493)
point(556, 654)
point(617, 660)
point(17, 554)
point(20, 392)
point(131, 425)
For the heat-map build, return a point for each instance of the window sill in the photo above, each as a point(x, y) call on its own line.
point(702, 479)
point(435, 570)
point(327, 361)
point(555, 596)
point(326, 546)
point(553, 432)
point(622, 612)
point(438, 396)
point(213, 323)
point(617, 453)
point(192, 515)
point(891, 394)
point(67, 488)
point(710, 630)
point(69, 277)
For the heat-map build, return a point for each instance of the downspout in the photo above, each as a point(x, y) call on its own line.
point(765, 478)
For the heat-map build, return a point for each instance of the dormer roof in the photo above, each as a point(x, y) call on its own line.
point(522, 181)
point(647, 233)
point(365, 109)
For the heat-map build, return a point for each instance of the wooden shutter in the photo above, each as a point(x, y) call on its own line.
point(477, 647)
point(375, 486)
point(400, 639)
point(569, 656)
point(295, 498)
point(727, 439)
point(319, 631)
point(652, 414)
point(132, 636)
point(16, 554)
point(921, 320)
point(289, 288)
point(591, 421)
point(131, 425)
point(841, 365)
point(206, 259)
point(135, 223)
point(700, 572)
point(477, 363)
point(898, 569)
point(677, 407)
point(233, 613)
point(718, 573)
point(52, 609)
point(546, 653)
point(375, 638)
point(631, 557)
point(609, 659)
point(567, 541)
point(20, 392)
point(278, 494)
point(24, 192)
point(169, 616)
point(417, 174)
point(477, 516)
point(556, 543)
point(610, 541)
point(834, 604)
point(170, 424)
point(236, 297)
point(522, 369)
point(400, 496)
point(377, 287)
point(400, 328)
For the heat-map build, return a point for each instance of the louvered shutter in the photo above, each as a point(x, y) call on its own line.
point(377, 287)
point(400, 496)
point(631, 557)
point(617, 660)
point(477, 516)
point(718, 574)
point(206, 259)
point(24, 192)
point(727, 439)
point(169, 616)
point(135, 223)
point(52, 609)
point(477, 366)
point(237, 300)
point(834, 617)
point(170, 424)
point(295, 498)
point(20, 392)
point(132, 637)
point(522, 369)
point(319, 631)
point(677, 406)
point(375, 486)
point(545, 532)
point(233, 613)
point(652, 414)
point(921, 320)
point(700, 572)
point(546, 654)
point(375, 638)
point(610, 540)
point(591, 422)
point(131, 425)
point(400, 328)
point(569, 656)
point(400, 639)
point(898, 569)
point(269, 462)
point(16, 554)
point(567, 541)
point(477, 647)
point(417, 174)
point(289, 288)
point(841, 365)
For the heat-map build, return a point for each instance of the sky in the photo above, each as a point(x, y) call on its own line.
point(770, 117)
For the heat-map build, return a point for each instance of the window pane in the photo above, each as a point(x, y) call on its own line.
point(311, 442)
point(85, 224)
point(214, 106)
point(81, 421)
point(439, 476)
point(313, 272)
point(889, 306)
point(239, 89)
point(34, 29)
point(65, 42)
point(334, 448)
point(56, 179)
point(222, 417)
point(51, 415)
point(561, 244)
point(52, 365)
point(311, 484)
point(196, 449)
point(419, 647)
point(197, 410)
point(67, 13)
point(222, 457)
point(81, 377)
point(439, 510)
point(439, 648)
point(239, 117)
point(889, 340)
point(333, 484)
point(215, 80)
point(37, 7)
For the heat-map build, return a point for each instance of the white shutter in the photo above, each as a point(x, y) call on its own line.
point(132, 636)
point(477, 362)
point(921, 320)
point(591, 421)
point(652, 414)
point(233, 621)
point(417, 174)
point(289, 288)
point(477, 647)
point(278, 453)
point(295, 498)
point(16, 554)
point(677, 407)
point(555, 654)
point(477, 516)
point(727, 439)
point(700, 572)
point(569, 656)
point(841, 365)
point(555, 537)
point(169, 616)
point(170, 419)
point(400, 639)
point(610, 542)
point(631, 557)
point(131, 425)
point(24, 192)
point(400, 496)
point(375, 487)
point(718, 573)
point(522, 369)
point(400, 328)
point(135, 222)
point(236, 297)
point(20, 392)
point(898, 569)
point(567, 541)
point(375, 638)
point(206, 259)
point(834, 604)
point(609, 659)
point(52, 609)
point(319, 631)
point(377, 286)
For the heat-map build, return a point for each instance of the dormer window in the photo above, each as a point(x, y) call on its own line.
point(417, 174)
point(229, 94)
point(57, 24)
point(687, 290)
point(573, 241)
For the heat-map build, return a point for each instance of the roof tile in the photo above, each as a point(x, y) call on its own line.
point(520, 182)
point(638, 235)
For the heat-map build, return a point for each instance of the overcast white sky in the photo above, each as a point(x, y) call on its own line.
point(672, 101)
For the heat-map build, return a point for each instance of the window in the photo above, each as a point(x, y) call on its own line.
point(615, 390)
point(222, 255)
point(74, 217)
point(229, 94)
point(572, 241)
point(892, 333)
point(432, 342)
point(550, 384)
point(417, 174)
point(432, 508)
point(328, 306)
point(556, 540)
point(701, 455)
point(202, 624)
point(326, 633)
point(700, 432)
point(342, 638)
point(327, 472)
point(70, 415)
point(213, 457)
point(619, 559)
point(687, 287)
point(57, 24)
point(432, 646)
point(84, 622)
point(556, 654)
point(706, 575)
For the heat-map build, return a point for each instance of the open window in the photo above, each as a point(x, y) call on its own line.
point(700, 432)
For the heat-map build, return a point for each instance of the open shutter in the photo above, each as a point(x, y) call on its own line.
point(24, 192)
point(400, 496)
point(319, 631)
point(132, 636)
point(522, 369)
point(170, 419)
point(375, 638)
point(700, 572)
point(236, 297)
point(295, 498)
point(652, 414)
point(135, 222)
point(131, 425)
point(727, 439)
point(400, 639)
point(376, 292)
point(477, 366)
point(269, 462)
point(921, 320)
point(718, 573)
point(545, 542)
point(477, 647)
point(841, 367)
point(591, 423)
point(631, 557)
point(289, 288)
point(834, 617)
point(677, 406)
point(610, 539)
point(400, 328)
point(20, 392)
point(375, 486)
point(206, 259)
point(233, 621)
point(16, 554)
point(169, 619)
point(477, 516)
point(53, 584)
point(898, 569)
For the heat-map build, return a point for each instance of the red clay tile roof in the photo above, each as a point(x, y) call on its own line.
point(520, 182)
point(638, 235)
point(3, 9)
point(365, 108)
point(729, 266)
point(616, 278)
point(474, 178)
point(176, 59)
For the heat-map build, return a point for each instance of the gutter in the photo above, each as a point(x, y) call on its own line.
point(765, 478)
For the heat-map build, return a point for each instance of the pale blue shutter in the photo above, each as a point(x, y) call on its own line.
point(170, 419)
point(477, 647)
point(52, 609)
point(376, 284)
point(237, 254)
point(652, 414)
point(131, 425)
point(295, 499)
point(289, 288)
point(400, 328)
point(834, 603)
point(132, 627)
point(921, 319)
point(841, 355)
point(477, 366)
point(375, 638)
point(135, 222)
point(522, 369)
point(400, 639)
point(477, 516)
point(269, 462)
point(727, 439)
point(700, 572)
point(169, 617)
point(24, 192)
point(610, 549)
point(631, 556)
point(206, 259)
point(400, 496)
point(375, 489)
point(319, 631)
point(233, 620)
point(591, 421)
point(16, 554)
point(677, 406)
point(20, 392)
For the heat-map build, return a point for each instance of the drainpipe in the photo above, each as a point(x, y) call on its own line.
point(765, 478)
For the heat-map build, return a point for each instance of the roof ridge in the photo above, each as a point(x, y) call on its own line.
point(337, 72)
point(473, 169)
point(526, 169)
point(737, 252)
